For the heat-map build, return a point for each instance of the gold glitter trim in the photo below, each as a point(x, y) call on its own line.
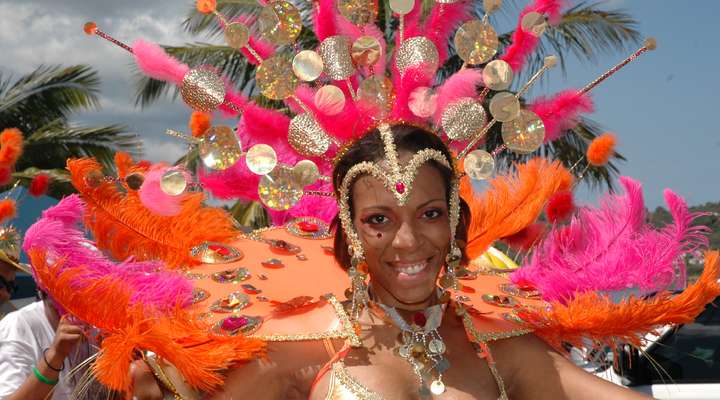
point(480, 337)
point(340, 379)
point(495, 373)
point(346, 330)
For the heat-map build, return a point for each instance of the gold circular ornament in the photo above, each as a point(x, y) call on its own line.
point(335, 53)
point(476, 42)
point(237, 35)
point(306, 172)
point(261, 159)
point(278, 189)
point(423, 102)
point(307, 137)
point(490, 6)
point(358, 12)
point(378, 91)
point(280, 23)
point(463, 118)
point(274, 80)
point(202, 90)
point(533, 23)
point(134, 181)
point(307, 65)
point(437, 387)
point(402, 7)
point(525, 133)
point(504, 107)
point(497, 75)
point(220, 148)
point(173, 182)
point(479, 165)
point(330, 100)
point(417, 50)
point(365, 51)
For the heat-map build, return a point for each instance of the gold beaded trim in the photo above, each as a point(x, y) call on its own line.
point(480, 337)
point(341, 378)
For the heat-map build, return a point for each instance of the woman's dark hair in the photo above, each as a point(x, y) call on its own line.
point(370, 148)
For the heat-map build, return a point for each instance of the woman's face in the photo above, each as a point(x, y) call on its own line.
point(405, 247)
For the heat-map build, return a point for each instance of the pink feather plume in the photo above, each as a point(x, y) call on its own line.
point(155, 199)
point(324, 19)
point(611, 248)
point(154, 62)
point(524, 43)
point(57, 233)
point(262, 47)
point(461, 84)
point(442, 22)
point(414, 77)
point(561, 112)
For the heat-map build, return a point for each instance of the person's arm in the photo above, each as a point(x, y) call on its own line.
point(538, 372)
point(67, 336)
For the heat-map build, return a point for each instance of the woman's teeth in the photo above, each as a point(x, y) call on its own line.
point(412, 269)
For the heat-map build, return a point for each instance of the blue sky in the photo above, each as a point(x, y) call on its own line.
point(662, 107)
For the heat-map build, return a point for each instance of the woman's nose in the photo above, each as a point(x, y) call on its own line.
point(405, 237)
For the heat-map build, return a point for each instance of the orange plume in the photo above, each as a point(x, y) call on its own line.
point(594, 316)
point(512, 202)
point(200, 122)
point(11, 146)
point(206, 6)
point(8, 210)
point(601, 149)
point(178, 337)
point(124, 227)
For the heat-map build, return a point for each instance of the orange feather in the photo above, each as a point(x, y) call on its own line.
point(199, 123)
point(8, 210)
point(512, 202)
point(11, 146)
point(601, 149)
point(594, 316)
point(178, 336)
point(122, 226)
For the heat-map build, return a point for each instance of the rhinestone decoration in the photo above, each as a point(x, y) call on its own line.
point(202, 90)
point(500, 301)
point(236, 325)
point(476, 42)
point(307, 137)
point(278, 189)
point(463, 118)
point(533, 23)
point(307, 65)
point(280, 23)
point(309, 228)
point(261, 159)
point(358, 12)
point(215, 253)
point(306, 172)
point(231, 275)
point(504, 107)
point(250, 289)
point(335, 53)
point(330, 100)
point(417, 50)
point(273, 79)
point(134, 181)
point(283, 247)
point(173, 182)
point(525, 133)
point(237, 35)
point(497, 75)
point(199, 295)
point(377, 91)
point(479, 165)
point(234, 302)
point(220, 148)
point(366, 51)
point(272, 263)
point(423, 102)
point(514, 290)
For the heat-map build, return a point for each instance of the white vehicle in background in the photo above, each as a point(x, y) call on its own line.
point(682, 363)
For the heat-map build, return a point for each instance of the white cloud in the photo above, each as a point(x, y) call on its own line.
point(169, 151)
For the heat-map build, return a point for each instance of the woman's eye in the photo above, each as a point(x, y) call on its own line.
point(432, 214)
point(376, 220)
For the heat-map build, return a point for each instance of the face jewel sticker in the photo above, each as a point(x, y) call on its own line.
point(236, 325)
point(231, 275)
point(234, 302)
point(310, 228)
point(215, 253)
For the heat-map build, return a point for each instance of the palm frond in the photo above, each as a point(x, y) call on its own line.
point(60, 184)
point(250, 215)
point(47, 94)
point(50, 146)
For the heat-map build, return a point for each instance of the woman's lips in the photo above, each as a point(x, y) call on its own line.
point(411, 271)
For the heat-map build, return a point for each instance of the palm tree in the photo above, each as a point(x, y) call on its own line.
point(39, 104)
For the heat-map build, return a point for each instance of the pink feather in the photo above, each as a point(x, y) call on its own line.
point(561, 112)
point(414, 77)
point(442, 22)
point(461, 84)
point(57, 233)
point(611, 248)
point(351, 30)
point(523, 43)
point(154, 62)
point(154, 198)
point(413, 26)
point(262, 47)
point(335, 125)
point(324, 19)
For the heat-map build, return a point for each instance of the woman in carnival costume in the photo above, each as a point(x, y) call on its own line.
point(214, 312)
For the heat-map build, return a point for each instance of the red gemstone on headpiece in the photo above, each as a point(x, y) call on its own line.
point(400, 187)
point(234, 323)
point(307, 226)
point(219, 249)
point(419, 319)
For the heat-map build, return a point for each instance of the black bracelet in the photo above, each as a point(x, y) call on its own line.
point(48, 364)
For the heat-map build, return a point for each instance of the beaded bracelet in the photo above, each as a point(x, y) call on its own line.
point(42, 378)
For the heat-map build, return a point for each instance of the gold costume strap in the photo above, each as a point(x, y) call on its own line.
point(493, 370)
